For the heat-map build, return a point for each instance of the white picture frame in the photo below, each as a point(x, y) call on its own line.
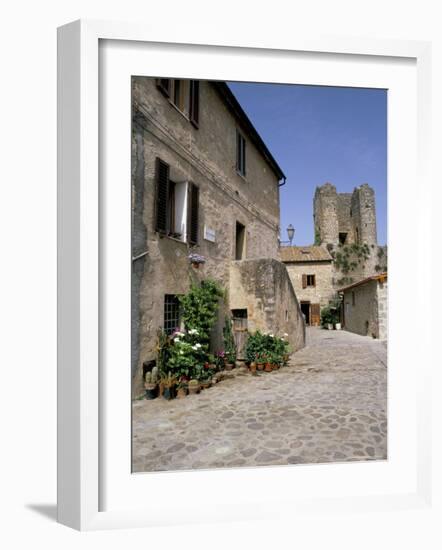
point(80, 394)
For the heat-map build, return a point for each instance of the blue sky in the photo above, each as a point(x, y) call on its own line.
point(319, 134)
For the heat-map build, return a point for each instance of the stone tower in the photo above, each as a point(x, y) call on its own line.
point(325, 214)
point(363, 213)
point(344, 218)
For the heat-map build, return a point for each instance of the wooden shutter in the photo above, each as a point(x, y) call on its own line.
point(193, 214)
point(304, 281)
point(194, 106)
point(162, 194)
point(165, 85)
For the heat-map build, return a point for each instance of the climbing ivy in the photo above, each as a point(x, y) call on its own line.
point(349, 257)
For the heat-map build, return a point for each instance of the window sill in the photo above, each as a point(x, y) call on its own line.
point(242, 176)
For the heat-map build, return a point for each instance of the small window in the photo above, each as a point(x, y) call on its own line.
point(342, 238)
point(308, 280)
point(171, 313)
point(240, 154)
point(353, 299)
point(184, 94)
point(240, 241)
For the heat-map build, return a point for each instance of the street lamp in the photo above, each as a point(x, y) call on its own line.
point(290, 233)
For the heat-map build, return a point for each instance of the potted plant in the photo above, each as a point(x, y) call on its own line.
point(181, 389)
point(196, 260)
point(338, 326)
point(253, 367)
point(193, 386)
point(149, 386)
point(169, 384)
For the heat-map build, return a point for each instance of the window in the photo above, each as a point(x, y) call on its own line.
point(342, 238)
point(308, 280)
point(176, 205)
point(184, 94)
point(353, 299)
point(240, 241)
point(171, 313)
point(240, 154)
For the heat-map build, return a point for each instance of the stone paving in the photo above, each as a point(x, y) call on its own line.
point(328, 405)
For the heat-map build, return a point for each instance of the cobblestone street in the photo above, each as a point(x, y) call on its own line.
point(328, 405)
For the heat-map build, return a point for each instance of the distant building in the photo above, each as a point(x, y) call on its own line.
point(365, 306)
point(345, 255)
point(311, 272)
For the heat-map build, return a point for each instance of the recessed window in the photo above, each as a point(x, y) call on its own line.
point(177, 206)
point(308, 280)
point(184, 94)
point(343, 238)
point(240, 154)
point(171, 313)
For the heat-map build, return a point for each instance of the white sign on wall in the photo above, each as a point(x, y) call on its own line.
point(209, 234)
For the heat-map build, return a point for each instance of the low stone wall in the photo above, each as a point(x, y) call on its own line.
point(263, 287)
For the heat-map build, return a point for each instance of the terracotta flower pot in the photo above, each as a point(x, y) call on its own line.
point(229, 366)
point(268, 367)
point(195, 265)
point(260, 366)
point(194, 389)
point(253, 367)
point(182, 392)
point(206, 384)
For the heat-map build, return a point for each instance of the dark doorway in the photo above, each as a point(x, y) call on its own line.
point(240, 241)
point(305, 308)
point(343, 238)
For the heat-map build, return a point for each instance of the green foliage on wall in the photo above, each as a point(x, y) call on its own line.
point(350, 256)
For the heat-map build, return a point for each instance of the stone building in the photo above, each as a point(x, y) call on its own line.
point(311, 272)
point(344, 218)
point(345, 251)
point(365, 306)
point(203, 181)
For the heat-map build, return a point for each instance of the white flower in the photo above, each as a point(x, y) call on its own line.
point(271, 335)
point(181, 352)
point(193, 331)
point(176, 339)
point(285, 334)
point(198, 345)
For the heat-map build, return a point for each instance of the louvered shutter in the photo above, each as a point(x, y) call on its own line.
point(164, 84)
point(193, 214)
point(194, 98)
point(304, 281)
point(162, 193)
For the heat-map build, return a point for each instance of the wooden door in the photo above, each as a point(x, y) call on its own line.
point(240, 335)
point(315, 315)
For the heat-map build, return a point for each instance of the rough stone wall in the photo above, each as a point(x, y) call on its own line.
point(205, 156)
point(363, 211)
point(325, 212)
point(323, 292)
point(362, 318)
point(263, 287)
point(382, 310)
point(343, 211)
